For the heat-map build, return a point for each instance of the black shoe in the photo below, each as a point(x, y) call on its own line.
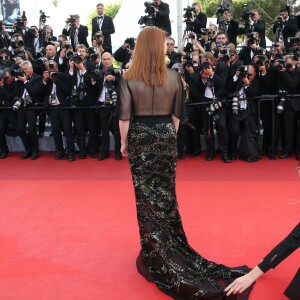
point(71, 157)
point(93, 155)
point(118, 155)
point(284, 155)
point(181, 156)
point(26, 155)
point(82, 155)
point(226, 158)
point(59, 155)
point(103, 156)
point(233, 156)
point(41, 134)
point(34, 155)
point(3, 155)
point(194, 154)
point(210, 156)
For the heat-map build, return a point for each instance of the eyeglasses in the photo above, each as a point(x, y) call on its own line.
point(170, 44)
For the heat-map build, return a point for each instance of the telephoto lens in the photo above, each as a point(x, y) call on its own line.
point(235, 105)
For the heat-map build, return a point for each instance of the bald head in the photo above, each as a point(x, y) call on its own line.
point(50, 51)
point(106, 60)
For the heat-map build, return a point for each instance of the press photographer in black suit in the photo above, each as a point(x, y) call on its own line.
point(9, 89)
point(57, 90)
point(200, 18)
point(232, 27)
point(106, 98)
point(290, 82)
point(4, 36)
point(162, 19)
point(104, 24)
point(285, 26)
point(173, 56)
point(78, 33)
point(250, 48)
point(29, 96)
point(125, 52)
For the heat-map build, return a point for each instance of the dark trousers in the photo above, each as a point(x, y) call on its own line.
point(62, 119)
point(181, 139)
point(93, 125)
point(5, 118)
point(108, 120)
point(290, 117)
point(193, 135)
point(222, 128)
point(208, 128)
point(30, 139)
point(42, 121)
point(78, 116)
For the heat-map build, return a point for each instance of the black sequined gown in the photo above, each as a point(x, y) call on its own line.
point(166, 257)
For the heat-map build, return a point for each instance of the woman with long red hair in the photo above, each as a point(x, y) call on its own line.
point(151, 104)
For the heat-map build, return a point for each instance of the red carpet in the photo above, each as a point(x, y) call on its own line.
point(68, 231)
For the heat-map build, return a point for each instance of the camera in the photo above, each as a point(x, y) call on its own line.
point(67, 45)
point(235, 105)
point(18, 72)
point(280, 106)
point(3, 57)
point(74, 56)
point(43, 17)
point(51, 64)
point(131, 43)
point(204, 66)
point(243, 69)
point(18, 102)
point(95, 74)
point(293, 39)
point(71, 21)
point(149, 18)
point(20, 22)
point(212, 110)
point(41, 53)
point(261, 60)
point(252, 38)
point(281, 64)
point(225, 55)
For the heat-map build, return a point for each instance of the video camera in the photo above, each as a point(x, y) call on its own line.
point(220, 16)
point(188, 18)
point(149, 18)
point(20, 22)
point(43, 17)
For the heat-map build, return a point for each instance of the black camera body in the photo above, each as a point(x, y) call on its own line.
point(243, 71)
point(74, 56)
point(20, 22)
point(43, 17)
point(261, 60)
point(149, 18)
point(130, 42)
point(18, 72)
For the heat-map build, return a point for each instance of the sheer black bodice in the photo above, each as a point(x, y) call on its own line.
point(137, 99)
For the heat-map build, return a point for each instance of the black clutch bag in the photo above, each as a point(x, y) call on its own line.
point(293, 290)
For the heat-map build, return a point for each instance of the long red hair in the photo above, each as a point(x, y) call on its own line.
point(148, 63)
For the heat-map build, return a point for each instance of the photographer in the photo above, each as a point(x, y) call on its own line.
point(245, 85)
point(57, 88)
point(28, 98)
point(250, 49)
point(214, 77)
point(125, 52)
point(107, 101)
point(17, 44)
point(209, 37)
point(104, 24)
point(172, 55)
point(290, 82)
point(200, 19)
point(48, 35)
point(79, 93)
point(97, 43)
point(78, 33)
point(285, 26)
point(4, 36)
point(5, 60)
point(9, 89)
point(162, 19)
point(232, 27)
point(60, 59)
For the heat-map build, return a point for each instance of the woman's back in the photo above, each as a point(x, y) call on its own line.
point(138, 99)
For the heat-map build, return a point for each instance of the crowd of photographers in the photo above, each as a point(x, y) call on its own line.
point(73, 82)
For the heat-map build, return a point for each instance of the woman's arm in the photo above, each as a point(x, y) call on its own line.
point(124, 126)
point(176, 122)
point(242, 283)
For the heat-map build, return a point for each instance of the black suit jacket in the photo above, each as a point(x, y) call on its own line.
point(174, 57)
point(63, 89)
point(162, 19)
point(291, 83)
point(232, 31)
point(123, 56)
point(82, 35)
point(289, 30)
point(282, 250)
point(107, 29)
point(35, 88)
point(200, 22)
point(4, 41)
point(260, 27)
